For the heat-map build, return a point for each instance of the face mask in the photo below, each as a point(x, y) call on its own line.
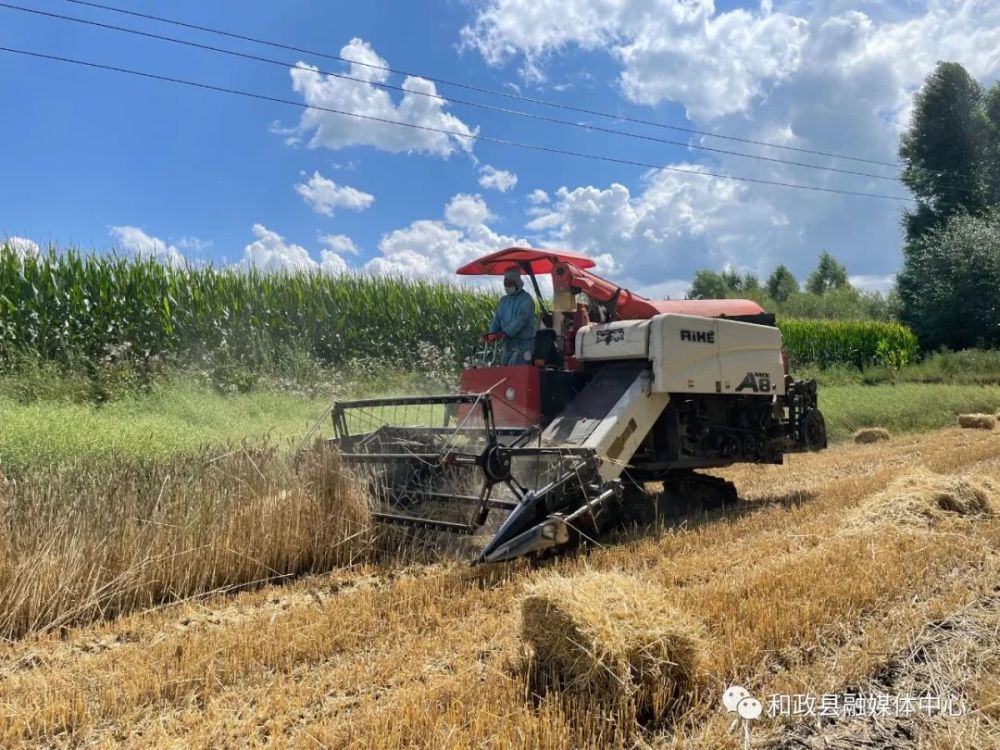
point(510, 289)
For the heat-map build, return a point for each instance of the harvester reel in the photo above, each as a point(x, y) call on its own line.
point(440, 463)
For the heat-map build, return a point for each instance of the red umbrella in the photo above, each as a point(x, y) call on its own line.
point(539, 261)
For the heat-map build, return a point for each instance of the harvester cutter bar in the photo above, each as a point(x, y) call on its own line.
point(416, 522)
point(459, 459)
point(429, 495)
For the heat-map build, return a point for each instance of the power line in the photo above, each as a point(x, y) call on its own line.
point(445, 131)
point(471, 87)
point(491, 108)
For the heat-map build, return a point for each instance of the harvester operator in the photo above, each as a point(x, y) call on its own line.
point(514, 321)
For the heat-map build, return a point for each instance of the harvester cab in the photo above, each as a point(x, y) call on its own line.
point(619, 391)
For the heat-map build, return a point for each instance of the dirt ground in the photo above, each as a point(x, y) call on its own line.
point(794, 599)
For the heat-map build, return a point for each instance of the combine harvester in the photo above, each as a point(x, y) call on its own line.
point(622, 391)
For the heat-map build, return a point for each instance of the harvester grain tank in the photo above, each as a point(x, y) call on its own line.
point(621, 391)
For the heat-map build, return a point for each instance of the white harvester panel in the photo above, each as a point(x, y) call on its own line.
point(624, 339)
point(750, 359)
point(685, 354)
point(692, 354)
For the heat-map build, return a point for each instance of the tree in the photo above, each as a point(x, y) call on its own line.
point(737, 284)
point(952, 158)
point(720, 285)
point(949, 287)
point(944, 150)
point(991, 164)
point(732, 279)
point(749, 284)
point(781, 284)
point(708, 285)
point(829, 274)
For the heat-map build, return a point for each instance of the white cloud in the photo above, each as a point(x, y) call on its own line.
point(368, 66)
point(350, 165)
point(194, 244)
point(669, 289)
point(137, 241)
point(271, 254)
point(722, 63)
point(682, 50)
point(21, 246)
point(674, 226)
point(331, 263)
point(334, 131)
point(883, 64)
point(435, 249)
point(339, 243)
point(426, 248)
point(492, 178)
point(324, 195)
point(870, 283)
point(812, 75)
point(715, 65)
point(467, 211)
point(853, 94)
point(544, 220)
point(538, 197)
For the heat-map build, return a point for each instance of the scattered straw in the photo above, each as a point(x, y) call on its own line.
point(614, 639)
point(921, 498)
point(977, 421)
point(871, 435)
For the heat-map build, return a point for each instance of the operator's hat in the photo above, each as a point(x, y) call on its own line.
point(513, 275)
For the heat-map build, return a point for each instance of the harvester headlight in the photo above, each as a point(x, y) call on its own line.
point(509, 394)
point(549, 531)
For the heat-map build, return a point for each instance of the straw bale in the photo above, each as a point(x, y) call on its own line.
point(871, 435)
point(922, 498)
point(613, 638)
point(977, 421)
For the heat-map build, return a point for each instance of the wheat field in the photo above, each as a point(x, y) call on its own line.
point(94, 540)
point(813, 584)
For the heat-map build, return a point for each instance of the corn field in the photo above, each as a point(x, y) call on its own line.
point(823, 343)
point(73, 308)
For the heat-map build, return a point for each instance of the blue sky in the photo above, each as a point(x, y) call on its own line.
point(102, 160)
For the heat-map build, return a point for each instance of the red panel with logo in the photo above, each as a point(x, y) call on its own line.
point(515, 392)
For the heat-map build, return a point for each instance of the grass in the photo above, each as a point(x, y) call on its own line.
point(427, 656)
point(183, 416)
point(902, 408)
point(967, 367)
point(176, 415)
